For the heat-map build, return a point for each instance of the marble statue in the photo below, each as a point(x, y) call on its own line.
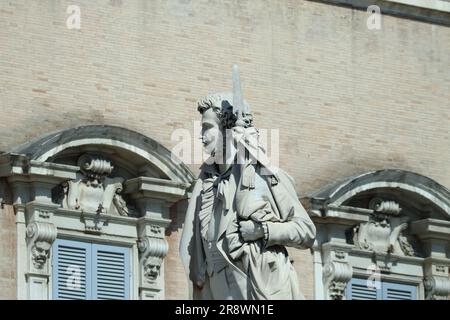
point(243, 212)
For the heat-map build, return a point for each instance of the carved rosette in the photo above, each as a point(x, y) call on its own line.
point(40, 237)
point(151, 254)
point(336, 274)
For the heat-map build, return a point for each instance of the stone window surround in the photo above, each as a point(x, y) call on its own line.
point(336, 261)
point(39, 221)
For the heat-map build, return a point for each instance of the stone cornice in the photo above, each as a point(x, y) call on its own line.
point(431, 229)
point(19, 167)
point(145, 187)
point(433, 11)
point(384, 256)
point(343, 215)
point(91, 215)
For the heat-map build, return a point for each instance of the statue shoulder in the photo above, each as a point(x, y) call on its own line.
point(286, 176)
point(279, 175)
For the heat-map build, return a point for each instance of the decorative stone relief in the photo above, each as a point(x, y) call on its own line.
point(152, 252)
point(40, 236)
point(336, 274)
point(436, 281)
point(152, 268)
point(437, 288)
point(385, 230)
point(44, 214)
point(94, 223)
point(156, 230)
point(95, 192)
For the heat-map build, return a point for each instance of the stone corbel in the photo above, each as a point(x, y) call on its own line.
point(437, 288)
point(40, 237)
point(40, 234)
point(153, 198)
point(436, 281)
point(337, 272)
point(152, 248)
point(151, 254)
point(434, 235)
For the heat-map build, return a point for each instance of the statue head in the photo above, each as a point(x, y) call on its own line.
point(218, 116)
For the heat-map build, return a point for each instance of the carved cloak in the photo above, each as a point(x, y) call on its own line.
point(270, 199)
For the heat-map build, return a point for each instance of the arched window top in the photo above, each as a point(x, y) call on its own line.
point(409, 187)
point(133, 152)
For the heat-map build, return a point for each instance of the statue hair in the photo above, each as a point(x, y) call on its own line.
point(221, 104)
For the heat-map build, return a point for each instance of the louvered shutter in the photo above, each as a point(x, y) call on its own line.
point(397, 291)
point(111, 279)
point(71, 270)
point(360, 289)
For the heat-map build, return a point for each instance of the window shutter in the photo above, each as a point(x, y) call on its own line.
point(71, 270)
point(358, 289)
point(111, 272)
point(397, 291)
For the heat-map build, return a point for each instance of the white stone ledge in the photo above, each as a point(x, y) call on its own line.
point(433, 11)
point(438, 5)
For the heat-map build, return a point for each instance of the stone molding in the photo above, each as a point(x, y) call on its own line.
point(432, 11)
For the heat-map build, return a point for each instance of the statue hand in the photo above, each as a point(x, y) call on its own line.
point(199, 284)
point(251, 230)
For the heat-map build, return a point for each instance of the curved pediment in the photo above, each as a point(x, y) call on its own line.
point(386, 211)
point(135, 153)
point(99, 169)
point(413, 190)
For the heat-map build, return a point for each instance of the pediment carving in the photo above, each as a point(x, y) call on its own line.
point(95, 191)
point(385, 232)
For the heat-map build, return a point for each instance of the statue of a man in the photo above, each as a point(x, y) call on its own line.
point(241, 215)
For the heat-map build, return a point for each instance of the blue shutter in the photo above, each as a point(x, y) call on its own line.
point(397, 291)
point(358, 289)
point(71, 270)
point(111, 279)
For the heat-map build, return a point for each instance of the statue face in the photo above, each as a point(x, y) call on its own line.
point(211, 132)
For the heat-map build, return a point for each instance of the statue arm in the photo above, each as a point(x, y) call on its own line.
point(297, 230)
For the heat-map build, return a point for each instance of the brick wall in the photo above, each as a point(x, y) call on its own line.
point(346, 99)
point(7, 246)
